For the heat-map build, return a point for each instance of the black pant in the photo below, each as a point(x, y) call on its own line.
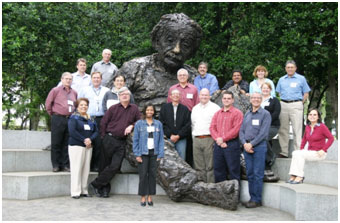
point(113, 154)
point(147, 174)
point(59, 141)
point(97, 147)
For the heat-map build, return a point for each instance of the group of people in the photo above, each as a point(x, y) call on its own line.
point(89, 118)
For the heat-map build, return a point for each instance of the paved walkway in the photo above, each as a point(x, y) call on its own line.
point(127, 208)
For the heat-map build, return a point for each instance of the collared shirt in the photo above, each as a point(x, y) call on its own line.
point(243, 85)
point(226, 124)
point(208, 81)
point(79, 82)
point(201, 117)
point(292, 88)
point(60, 101)
point(112, 98)
point(254, 87)
point(118, 118)
point(255, 127)
point(189, 95)
point(95, 96)
point(108, 71)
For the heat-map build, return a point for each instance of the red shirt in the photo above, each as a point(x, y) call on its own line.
point(317, 140)
point(189, 95)
point(226, 124)
point(57, 101)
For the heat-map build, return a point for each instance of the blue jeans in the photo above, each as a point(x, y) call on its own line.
point(227, 159)
point(255, 163)
point(181, 146)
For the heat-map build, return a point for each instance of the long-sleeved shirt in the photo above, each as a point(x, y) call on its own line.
point(95, 96)
point(112, 98)
point(61, 101)
point(118, 118)
point(209, 81)
point(226, 124)
point(189, 95)
point(201, 117)
point(255, 127)
point(80, 128)
point(273, 105)
point(243, 85)
point(317, 139)
point(108, 71)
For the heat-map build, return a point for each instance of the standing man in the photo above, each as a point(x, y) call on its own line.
point(205, 80)
point(224, 129)
point(95, 95)
point(189, 93)
point(116, 124)
point(175, 118)
point(253, 135)
point(60, 103)
point(106, 68)
point(201, 117)
point(293, 90)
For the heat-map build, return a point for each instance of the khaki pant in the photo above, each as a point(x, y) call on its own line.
point(290, 112)
point(203, 158)
point(299, 158)
point(80, 159)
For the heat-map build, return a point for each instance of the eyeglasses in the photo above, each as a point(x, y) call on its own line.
point(124, 94)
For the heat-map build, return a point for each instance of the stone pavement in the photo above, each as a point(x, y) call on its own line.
point(127, 208)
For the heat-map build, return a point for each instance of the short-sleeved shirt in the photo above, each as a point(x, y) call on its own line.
point(254, 87)
point(108, 70)
point(209, 81)
point(292, 88)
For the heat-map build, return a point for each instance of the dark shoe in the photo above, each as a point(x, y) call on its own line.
point(297, 182)
point(143, 204)
point(282, 156)
point(106, 194)
point(56, 169)
point(85, 195)
point(150, 203)
point(253, 204)
point(94, 190)
point(66, 169)
point(76, 197)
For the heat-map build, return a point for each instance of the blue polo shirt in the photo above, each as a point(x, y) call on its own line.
point(208, 81)
point(292, 88)
point(255, 127)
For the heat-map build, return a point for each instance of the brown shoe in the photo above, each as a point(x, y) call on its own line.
point(253, 204)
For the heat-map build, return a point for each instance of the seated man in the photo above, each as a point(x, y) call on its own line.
point(205, 80)
point(237, 81)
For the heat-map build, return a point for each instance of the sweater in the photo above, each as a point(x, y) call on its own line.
point(317, 140)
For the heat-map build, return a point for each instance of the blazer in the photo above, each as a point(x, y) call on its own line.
point(183, 120)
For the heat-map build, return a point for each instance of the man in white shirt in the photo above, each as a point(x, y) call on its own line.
point(201, 117)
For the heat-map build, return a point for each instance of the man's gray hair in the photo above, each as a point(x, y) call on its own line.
point(290, 62)
point(66, 74)
point(175, 90)
point(182, 69)
point(107, 50)
point(124, 89)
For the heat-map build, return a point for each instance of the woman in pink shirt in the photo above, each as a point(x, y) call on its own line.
point(316, 134)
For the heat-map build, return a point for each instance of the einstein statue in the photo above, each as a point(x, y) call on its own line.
point(176, 38)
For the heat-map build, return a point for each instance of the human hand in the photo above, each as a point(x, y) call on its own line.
point(87, 142)
point(224, 145)
point(158, 159)
point(139, 159)
point(219, 141)
point(321, 153)
point(174, 138)
point(248, 147)
point(128, 130)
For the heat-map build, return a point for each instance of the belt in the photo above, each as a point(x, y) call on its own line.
point(65, 116)
point(290, 101)
point(97, 116)
point(116, 137)
point(204, 136)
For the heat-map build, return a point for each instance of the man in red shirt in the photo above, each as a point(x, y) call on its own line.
point(60, 105)
point(224, 129)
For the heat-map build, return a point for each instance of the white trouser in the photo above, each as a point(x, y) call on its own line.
point(80, 159)
point(299, 158)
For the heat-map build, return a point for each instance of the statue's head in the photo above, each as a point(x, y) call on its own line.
point(176, 38)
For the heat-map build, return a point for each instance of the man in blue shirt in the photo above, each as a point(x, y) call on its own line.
point(253, 134)
point(293, 90)
point(205, 80)
point(95, 94)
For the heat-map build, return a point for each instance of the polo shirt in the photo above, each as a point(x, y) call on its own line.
point(107, 70)
point(292, 88)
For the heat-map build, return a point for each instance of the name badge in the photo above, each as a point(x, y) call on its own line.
point(190, 96)
point(265, 103)
point(87, 127)
point(69, 108)
point(111, 102)
point(69, 102)
point(255, 122)
point(293, 84)
point(150, 128)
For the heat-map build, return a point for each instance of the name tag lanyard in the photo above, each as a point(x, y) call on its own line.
point(97, 97)
point(70, 103)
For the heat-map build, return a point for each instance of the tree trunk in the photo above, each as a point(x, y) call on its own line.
point(332, 103)
point(8, 118)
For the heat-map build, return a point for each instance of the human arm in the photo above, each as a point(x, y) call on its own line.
point(186, 121)
point(164, 121)
point(328, 135)
point(244, 86)
point(237, 120)
point(264, 130)
point(161, 142)
point(72, 129)
point(105, 101)
point(277, 109)
point(104, 122)
point(135, 145)
point(49, 101)
point(214, 86)
point(305, 97)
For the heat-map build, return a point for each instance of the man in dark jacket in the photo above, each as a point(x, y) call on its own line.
point(175, 118)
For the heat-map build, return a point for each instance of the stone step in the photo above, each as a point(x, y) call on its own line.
point(28, 160)
point(324, 172)
point(307, 202)
point(25, 139)
point(35, 185)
